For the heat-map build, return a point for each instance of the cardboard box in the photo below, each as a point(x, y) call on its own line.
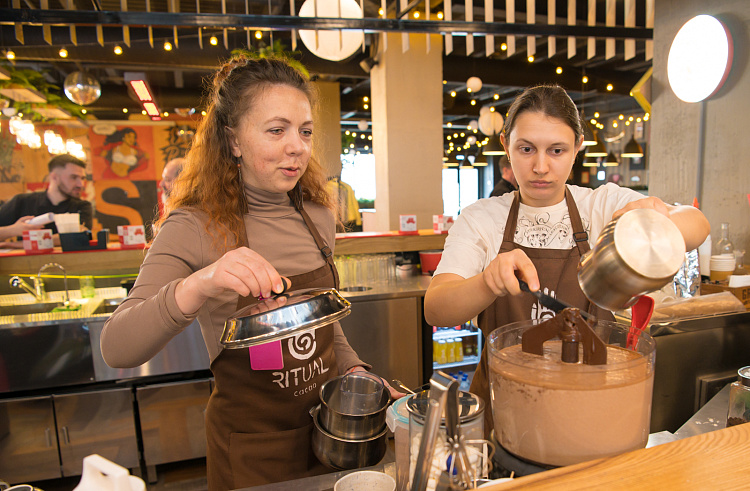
point(441, 223)
point(38, 241)
point(408, 224)
point(743, 293)
point(131, 236)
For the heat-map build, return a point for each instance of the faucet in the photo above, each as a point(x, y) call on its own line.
point(37, 292)
point(65, 278)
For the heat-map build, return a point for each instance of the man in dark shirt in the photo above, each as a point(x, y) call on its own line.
point(67, 175)
point(507, 182)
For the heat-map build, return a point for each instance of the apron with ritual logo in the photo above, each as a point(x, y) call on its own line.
point(558, 272)
point(258, 424)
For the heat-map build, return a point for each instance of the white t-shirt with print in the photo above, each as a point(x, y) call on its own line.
point(475, 238)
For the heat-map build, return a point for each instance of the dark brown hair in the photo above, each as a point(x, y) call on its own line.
point(551, 100)
point(210, 180)
point(60, 161)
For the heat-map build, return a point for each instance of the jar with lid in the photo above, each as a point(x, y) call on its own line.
point(739, 399)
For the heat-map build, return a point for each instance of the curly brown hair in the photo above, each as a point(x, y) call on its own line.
point(210, 180)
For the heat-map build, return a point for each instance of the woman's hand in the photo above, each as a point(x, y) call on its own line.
point(652, 203)
point(241, 270)
point(501, 276)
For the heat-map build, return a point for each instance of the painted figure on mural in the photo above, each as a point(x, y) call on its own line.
point(122, 152)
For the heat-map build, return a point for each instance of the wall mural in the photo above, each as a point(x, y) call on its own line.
point(124, 167)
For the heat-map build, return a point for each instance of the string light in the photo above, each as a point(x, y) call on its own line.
point(11, 55)
point(585, 79)
point(258, 35)
point(453, 93)
point(167, 46)
point(416, 14)
point(531, 59)
point(213, 41)
point(118, 49)
point(440, 16)
point(125, 110)
point(63, 53)
point(503, 47)
point(609, 87)
point(558, 70)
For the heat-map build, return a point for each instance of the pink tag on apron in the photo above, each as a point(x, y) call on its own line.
point(267, 356)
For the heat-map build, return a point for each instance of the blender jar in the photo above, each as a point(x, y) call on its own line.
point(554, 413)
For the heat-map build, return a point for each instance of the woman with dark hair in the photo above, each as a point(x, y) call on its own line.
point(122, 152)
point(537, 233)
point(248, 209)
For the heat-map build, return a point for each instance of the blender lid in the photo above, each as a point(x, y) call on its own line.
point(470, 406)
point(303, 311)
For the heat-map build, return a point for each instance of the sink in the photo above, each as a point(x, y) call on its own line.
point(30, 308)
point(108, 306)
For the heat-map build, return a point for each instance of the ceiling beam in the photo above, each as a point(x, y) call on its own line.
point(283, 23)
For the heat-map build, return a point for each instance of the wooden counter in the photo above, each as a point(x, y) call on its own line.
point(714, 460)
point(114, 260)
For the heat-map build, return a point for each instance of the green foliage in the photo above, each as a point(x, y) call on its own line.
point(276, 49)
point(32, 79)
point(366, 203)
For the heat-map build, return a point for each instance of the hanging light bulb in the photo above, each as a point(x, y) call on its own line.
point(213, 41)
point(118, 49)
point(632, 149)
point(474, 84)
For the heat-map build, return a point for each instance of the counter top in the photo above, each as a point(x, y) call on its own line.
point(713, 460)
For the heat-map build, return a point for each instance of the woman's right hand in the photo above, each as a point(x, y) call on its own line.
point(241, 270)
point(501, 276)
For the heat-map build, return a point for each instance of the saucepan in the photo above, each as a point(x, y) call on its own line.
point(353, 406)
point(636, 253)
point(284, 315)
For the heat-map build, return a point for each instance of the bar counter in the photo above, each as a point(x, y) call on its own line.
point(115, 260)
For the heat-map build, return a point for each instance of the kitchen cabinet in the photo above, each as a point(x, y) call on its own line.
point(172, 417)
point(47, 437)
point(28, 444)
point(100, 422)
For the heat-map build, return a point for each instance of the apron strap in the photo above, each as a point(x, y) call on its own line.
point(296, 195)
point(510, 223)
point(580, 236)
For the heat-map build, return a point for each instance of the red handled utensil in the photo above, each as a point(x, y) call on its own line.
point(641, 312)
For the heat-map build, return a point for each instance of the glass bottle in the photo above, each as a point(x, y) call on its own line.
point(724, 245)
point(739, 399)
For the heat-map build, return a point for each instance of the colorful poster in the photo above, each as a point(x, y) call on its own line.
point(122, 152)
point(123, 202)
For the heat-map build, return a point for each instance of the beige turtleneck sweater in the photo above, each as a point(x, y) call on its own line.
point(149, 318)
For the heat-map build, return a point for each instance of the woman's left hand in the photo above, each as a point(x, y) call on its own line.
point(394, 393)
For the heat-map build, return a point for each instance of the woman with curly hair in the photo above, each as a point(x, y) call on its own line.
point(248, 211)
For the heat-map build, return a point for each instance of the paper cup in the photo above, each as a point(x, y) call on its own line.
point(67, 223)
point(365, 481)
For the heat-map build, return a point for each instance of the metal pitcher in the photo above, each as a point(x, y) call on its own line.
point(636, 253)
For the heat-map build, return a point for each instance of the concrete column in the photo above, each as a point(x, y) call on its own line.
point(407, 121)
point(678, 127)
point(327, 131)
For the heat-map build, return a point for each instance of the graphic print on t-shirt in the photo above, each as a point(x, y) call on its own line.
point(549, 229)
point(539, 311)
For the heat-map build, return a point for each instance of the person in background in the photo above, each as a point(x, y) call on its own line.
point(348, 207)
point(250, 214)
point(537, 233)
point(168, 176)
point(16, 230)
point(507, 182)
point(67, 176)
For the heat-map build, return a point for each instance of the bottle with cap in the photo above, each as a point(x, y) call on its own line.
point(739, 399)
point(723, 246)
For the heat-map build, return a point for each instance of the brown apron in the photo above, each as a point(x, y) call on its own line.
point(258, 424)
point(558, 272)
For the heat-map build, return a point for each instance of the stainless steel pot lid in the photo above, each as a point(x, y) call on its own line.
point(266, 321)
point(470, 406)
